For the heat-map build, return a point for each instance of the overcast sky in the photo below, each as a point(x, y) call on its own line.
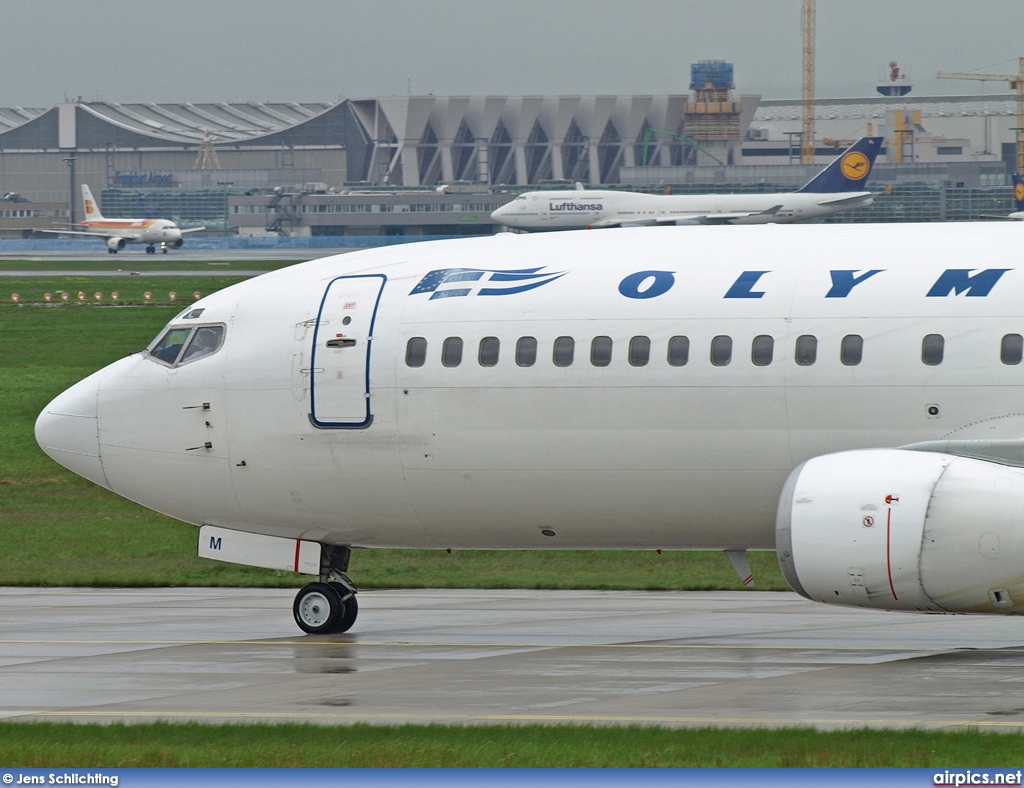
point(323, 50)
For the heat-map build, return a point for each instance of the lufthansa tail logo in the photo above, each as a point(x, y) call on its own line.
point(855, 166)
point(1018, 192)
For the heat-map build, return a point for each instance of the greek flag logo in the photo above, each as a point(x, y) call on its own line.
point(458, 282)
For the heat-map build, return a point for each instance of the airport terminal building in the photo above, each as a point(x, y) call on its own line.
point(374, 165)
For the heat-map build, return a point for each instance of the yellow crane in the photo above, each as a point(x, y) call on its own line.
point(1016, 82)
point(807, 137)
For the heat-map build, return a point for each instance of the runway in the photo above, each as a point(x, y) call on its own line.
point(466, 656)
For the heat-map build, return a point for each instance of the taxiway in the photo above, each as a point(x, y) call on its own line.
point(461, 656)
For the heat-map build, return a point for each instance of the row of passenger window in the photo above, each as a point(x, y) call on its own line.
point(677, 353)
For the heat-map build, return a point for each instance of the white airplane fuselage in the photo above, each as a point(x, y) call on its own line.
point(137, 231)
point(579, 209)
point(319, 418)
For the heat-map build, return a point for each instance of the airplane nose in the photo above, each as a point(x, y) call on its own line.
point(68, 430)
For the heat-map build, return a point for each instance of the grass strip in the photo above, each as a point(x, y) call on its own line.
point(143, 264)
point(48, 745)
point(99, 290)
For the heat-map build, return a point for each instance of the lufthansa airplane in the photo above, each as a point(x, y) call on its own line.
point(1018, 197)
point(838, 187)
point(849, 396)
point(120, 232)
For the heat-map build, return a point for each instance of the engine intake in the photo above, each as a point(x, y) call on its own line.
point(115, 244)
point(904, 530)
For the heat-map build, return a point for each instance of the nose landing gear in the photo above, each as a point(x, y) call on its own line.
point(329, 606)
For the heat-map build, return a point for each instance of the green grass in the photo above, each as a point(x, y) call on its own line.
point(36, 745)
point(132, 289)
point(59, 529)
point(145, 263)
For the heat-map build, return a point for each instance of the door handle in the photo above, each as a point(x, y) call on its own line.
point(341, 343)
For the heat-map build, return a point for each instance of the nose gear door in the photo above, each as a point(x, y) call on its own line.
point(340, 359)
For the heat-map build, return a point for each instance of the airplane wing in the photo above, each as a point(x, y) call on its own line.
point(192, 230)
point(695, 218)
point(715, 218)
point(82, 232)
point(864, 198)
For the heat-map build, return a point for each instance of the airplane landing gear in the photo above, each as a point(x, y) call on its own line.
point(329, 606)
point(151, 249)
point(163, 248)
point(325, 608)
point(317, 608)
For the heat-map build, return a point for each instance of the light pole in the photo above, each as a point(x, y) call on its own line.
point(70, 161)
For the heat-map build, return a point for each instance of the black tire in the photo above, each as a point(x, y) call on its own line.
point(351, 611)
point(317, 608)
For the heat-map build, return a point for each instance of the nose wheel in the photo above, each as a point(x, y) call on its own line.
point(325, 608)
point(151, 249)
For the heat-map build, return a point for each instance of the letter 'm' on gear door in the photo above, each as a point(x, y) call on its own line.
point(342, 346)
point(272, 552)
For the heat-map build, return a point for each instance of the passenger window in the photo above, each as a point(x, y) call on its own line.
point(851, 351)
point(601, 351)
point(639, 351)
point(565, 348)
point(205, 340)
point(806, 350)
point(932, 347)
point(678, 351)
point(168, 348)
point(762, 350)
point(489, 347)
point(451, 352)
point(526, 351)
point(415, 352)
point(1012, 349)
point(721, 350)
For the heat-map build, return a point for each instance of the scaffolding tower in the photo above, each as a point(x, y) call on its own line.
point(712, 116)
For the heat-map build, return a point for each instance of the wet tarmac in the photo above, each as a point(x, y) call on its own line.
point(671, 659)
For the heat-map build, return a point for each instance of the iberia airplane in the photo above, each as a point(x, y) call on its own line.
point(119, 232)
point(847, 395)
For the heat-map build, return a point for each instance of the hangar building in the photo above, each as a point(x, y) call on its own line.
point(269, 167)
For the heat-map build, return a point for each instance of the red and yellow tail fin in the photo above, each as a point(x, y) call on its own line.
point(92, 210)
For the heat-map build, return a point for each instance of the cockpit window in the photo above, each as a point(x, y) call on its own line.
point(169, 347)
point(205, 340)
point(182, 345)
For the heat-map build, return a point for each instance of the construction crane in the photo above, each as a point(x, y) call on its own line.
point(1016, 82)
point(807, 138)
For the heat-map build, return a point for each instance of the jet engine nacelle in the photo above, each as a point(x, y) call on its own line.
point(116, 244)
point(176, 243)
point(904, 530)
